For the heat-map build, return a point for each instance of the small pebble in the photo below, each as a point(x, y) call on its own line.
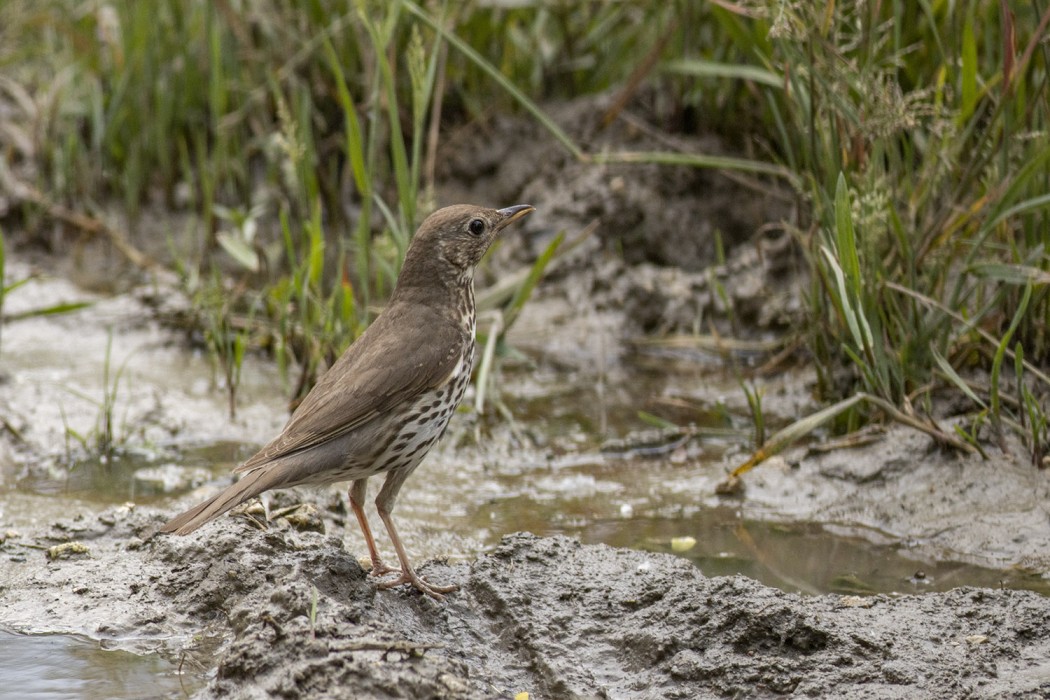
point(66, 550)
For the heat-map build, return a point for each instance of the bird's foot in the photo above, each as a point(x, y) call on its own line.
point(410, 576)
point(381, 569)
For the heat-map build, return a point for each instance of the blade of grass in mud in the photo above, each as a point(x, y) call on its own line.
point(794, 432)
point(655, 420)
point(787, 436)
point(955, 379)
point(64, 307)
point(1000, 353)
point(488, 353)
point(758, 419)
point(524, 290)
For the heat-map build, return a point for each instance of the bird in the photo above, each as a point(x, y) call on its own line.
point(388, 399)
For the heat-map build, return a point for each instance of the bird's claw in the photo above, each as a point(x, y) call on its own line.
point(381, 569)
point(433, 590)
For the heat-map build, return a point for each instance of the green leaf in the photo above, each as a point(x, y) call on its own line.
point(240, 250)
point(843, 298)
point(697, 160)
point(655, 420)
point(955, 379)
point(1000, 351)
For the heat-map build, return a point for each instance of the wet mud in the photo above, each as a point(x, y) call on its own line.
point(283, 612)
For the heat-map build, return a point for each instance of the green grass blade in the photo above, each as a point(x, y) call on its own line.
point(1000, 352)
point(1011, 273)
point(955, 379)
point(790, 434)
point(524, 291)
point(1020, 208)
point(510, 88)
point(713, 69)
point(488, 354)
point(968, 71)
point(842, 298)
point(845, 237)
point(696, 160)
point(52, 310)
point(354, 142)
point(656, 421)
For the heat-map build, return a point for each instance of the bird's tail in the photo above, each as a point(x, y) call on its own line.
point(250, 485)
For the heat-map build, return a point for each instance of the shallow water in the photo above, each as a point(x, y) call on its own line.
point(55, 667)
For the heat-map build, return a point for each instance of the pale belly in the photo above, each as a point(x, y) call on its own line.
point(425, 423)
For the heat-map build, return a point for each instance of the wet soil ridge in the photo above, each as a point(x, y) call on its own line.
point(292, 614)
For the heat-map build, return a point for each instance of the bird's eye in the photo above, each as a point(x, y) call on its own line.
point(476, 227)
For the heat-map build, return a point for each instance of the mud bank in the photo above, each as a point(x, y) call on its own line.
point(284, 612)
point(990, 511)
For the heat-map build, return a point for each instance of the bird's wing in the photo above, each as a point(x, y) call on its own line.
point(377, 372)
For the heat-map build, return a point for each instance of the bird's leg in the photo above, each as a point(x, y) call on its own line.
point(408, 574)
point(357, 500)
point(385, 506)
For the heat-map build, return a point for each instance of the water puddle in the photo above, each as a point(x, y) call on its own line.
point(800, 558)
point(143, 476)
point(636, 508)
point(59, 666)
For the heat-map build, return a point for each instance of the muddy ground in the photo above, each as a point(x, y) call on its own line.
point(547, 616)
point(287, 610)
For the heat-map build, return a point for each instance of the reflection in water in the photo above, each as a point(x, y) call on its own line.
point(113, 481)
point(64, 666)
point(798, 557)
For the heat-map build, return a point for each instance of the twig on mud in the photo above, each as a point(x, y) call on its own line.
point(90, 225)
point(926, 426)
point(792, 433)
point(865, 436)
point(12, 430)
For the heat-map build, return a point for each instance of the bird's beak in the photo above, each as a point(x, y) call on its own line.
point(512, 214)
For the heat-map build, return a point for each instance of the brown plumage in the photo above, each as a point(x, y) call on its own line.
point(387, 400)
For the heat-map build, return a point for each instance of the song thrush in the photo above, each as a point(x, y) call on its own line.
point(382, 406)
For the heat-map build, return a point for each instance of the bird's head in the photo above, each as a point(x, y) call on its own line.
point(451, 242)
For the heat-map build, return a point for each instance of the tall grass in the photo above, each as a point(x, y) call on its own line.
point(297, 133)
point(920, 132)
